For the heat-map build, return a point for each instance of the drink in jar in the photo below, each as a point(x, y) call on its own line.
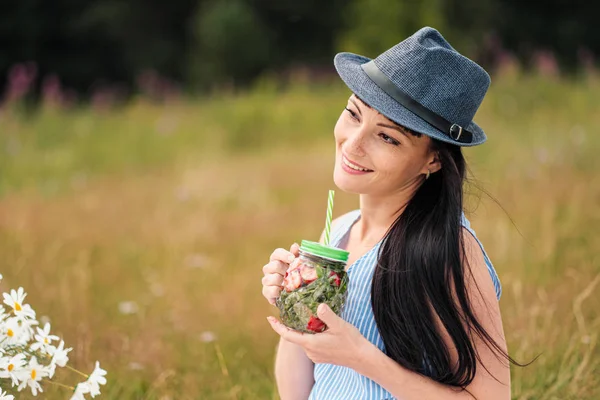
point(317, 276)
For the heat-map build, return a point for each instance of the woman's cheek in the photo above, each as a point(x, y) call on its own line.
point(389, 166)
point(338, 130)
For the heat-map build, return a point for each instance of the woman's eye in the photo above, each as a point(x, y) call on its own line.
point(389, 139)
point(352, 113)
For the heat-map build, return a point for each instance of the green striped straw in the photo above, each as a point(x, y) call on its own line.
point(329, 215)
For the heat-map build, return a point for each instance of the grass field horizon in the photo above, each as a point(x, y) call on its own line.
point(141, 231)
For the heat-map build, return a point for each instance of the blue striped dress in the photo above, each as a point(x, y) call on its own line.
point(334, 382)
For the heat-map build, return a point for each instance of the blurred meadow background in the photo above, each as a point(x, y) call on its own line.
point(152, 156)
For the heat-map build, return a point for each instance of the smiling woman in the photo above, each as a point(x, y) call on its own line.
point(422, 319)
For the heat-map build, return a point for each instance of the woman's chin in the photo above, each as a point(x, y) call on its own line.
point(347, 183)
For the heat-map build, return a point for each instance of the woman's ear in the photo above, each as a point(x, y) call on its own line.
point(434, 164)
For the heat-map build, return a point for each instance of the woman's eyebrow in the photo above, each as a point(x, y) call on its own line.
point(396, 127)
point(358, 108)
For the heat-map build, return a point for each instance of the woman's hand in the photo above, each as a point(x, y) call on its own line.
point(340, 344)
point(275, 272)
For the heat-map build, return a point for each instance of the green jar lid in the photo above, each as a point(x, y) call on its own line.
point(320, 250)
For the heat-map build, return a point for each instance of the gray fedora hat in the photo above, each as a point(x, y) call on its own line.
point(421, 83)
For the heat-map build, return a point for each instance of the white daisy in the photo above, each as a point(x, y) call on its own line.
point(59, 357)
point(12, 332)
point(43, 339)
point(15, 301)
point(16, 330)
point(32, 374)
point(11, 367)
point(80, 390)
point(4, 395)
point(96, 379)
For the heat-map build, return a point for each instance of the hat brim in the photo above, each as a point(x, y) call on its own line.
point(348, 66)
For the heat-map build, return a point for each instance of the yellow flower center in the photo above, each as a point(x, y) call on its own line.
point(10, 332)
point(10, 367)
point(17, 306)
point(46, 340)
point(33, 374)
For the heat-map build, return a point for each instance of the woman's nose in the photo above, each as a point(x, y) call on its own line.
point(355, 143)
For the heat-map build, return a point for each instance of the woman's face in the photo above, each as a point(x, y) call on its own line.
point(389, 157)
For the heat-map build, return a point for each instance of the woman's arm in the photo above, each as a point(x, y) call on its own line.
point(293, 372)
point(407, 385)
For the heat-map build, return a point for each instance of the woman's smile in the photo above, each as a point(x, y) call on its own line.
point(353, 168)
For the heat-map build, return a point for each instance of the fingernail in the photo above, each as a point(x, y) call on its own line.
point(291, 258)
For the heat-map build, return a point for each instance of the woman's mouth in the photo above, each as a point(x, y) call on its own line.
point(352, 168)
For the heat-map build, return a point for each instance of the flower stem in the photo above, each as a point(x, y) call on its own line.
point(79, 372)
point(59, 384)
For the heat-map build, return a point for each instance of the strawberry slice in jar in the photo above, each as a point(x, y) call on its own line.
point(334, 278)
point(308, 273)
point(315, 324)
point(292, 280)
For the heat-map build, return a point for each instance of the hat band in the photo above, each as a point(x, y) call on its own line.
point(455, 131)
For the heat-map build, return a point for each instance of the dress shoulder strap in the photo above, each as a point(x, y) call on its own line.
point(341, 225)
point(467, 224)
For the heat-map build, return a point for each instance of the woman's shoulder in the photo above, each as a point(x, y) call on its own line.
point(464, 220)
point(350, 215)
point(490, 267)
point(341, 221)
point(467, 225)
point(346, 218)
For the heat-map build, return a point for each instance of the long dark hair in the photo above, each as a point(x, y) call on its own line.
point(419, 258)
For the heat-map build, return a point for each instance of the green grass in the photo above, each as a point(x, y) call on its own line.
point(178, 206)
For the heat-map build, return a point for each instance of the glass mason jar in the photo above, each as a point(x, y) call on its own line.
point(317, 276)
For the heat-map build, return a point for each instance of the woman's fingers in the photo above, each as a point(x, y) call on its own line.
point(275, 267)
point(282, 255)
point(271, 293)
point(295, 250)
point(272, 280)
point(275, 270)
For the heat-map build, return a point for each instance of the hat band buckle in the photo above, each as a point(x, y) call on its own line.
point(453, 129)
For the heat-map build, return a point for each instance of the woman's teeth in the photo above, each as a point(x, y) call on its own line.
point(354, 167)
